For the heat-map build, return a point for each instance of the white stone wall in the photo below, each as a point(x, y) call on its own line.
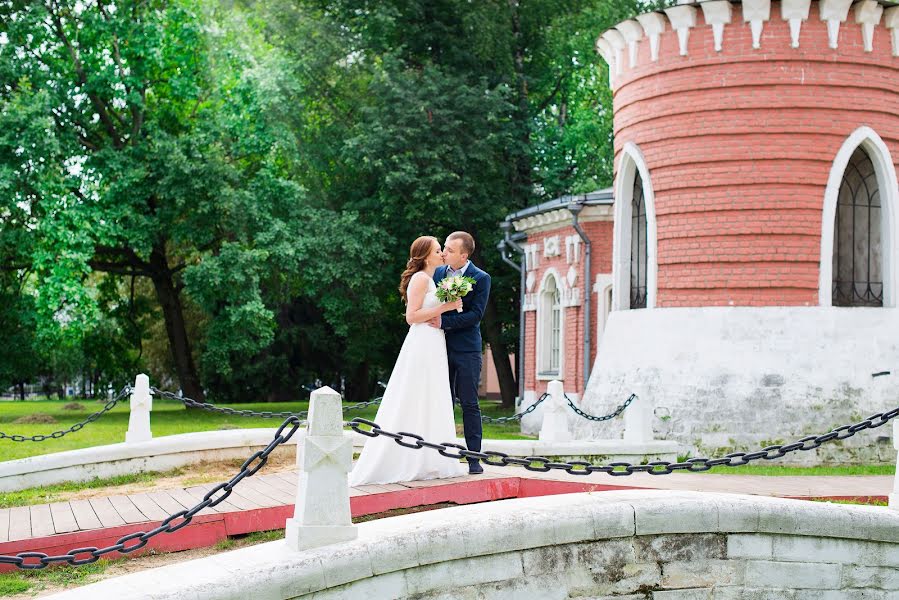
point(738, 378)
point(626, 545)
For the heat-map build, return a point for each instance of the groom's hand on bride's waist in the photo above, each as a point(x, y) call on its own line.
point(435, 322)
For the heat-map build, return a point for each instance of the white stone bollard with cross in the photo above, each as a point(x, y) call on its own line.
point(140, 405)
point(324, 457)
point(555, 415)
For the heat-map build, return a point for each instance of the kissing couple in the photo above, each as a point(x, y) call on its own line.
point(440, 361)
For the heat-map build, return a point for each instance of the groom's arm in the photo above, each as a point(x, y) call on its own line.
point(468, 318)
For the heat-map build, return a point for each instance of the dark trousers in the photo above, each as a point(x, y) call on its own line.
point(465, 374)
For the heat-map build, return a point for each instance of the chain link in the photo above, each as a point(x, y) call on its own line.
point(174, 522)
point(77, 426)
point(620, 469)
point(515, 417)
point(611, 415)
point(249, 413)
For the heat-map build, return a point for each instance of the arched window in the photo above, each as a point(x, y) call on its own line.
point(639, 256)
point(857, 248)
point(550, 320)
point(634, 255)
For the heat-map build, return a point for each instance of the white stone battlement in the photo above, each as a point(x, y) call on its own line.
point(619, 46)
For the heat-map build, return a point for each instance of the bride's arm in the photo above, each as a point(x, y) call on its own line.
point(415, 296)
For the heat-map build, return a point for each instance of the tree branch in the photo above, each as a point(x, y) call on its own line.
point(99, 106)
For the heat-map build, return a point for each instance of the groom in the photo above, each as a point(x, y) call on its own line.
point(463, 336)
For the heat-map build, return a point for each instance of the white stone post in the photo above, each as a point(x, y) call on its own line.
point(324, 457)
point(894, 497)
point(141, 404)
point(638, 422)
point(555, 415)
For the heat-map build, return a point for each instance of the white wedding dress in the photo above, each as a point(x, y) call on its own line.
point(417, 400)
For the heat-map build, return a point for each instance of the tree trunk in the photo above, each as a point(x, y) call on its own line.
point(21, 387)
point(492, 329)
point(175, 326)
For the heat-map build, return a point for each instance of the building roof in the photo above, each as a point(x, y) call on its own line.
point(595, 198)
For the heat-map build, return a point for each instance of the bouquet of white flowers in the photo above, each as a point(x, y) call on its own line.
point(453, 288)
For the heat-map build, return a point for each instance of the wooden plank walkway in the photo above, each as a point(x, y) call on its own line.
point(264, 501)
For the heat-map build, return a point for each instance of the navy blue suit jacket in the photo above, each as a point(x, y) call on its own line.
point(463, 329)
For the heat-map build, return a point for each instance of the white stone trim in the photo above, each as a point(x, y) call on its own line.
point(682, 18)
point(891, 21)
point(552, 246)
point(434, 553)
point(653, 26)
point(718, 13)
point(541, 356)
point(867, 14)
point(552, 220)
point(756, 13)
point(795, 11)
point(617, 43)
point(608, 54)
point(631, 162)
point(572, 248)
point(633, 33)
point(834, 12)
point(889, 200)
point(602, 287)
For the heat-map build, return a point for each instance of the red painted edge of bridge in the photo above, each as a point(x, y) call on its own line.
point(207, 530)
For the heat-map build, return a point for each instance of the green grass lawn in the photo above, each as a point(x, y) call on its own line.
point(168, 418)
point(774, 470)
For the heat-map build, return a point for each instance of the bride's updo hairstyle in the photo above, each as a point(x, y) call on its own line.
point(418, 254)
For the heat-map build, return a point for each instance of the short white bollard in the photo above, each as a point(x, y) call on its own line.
point(324, 457)
point(638, 422)
point(141, 404)
point(555, 415)
point(894, 497)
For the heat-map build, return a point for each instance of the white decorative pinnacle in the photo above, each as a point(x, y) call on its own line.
point(834, 12)
point(756, 12)
point(891, 20)
point(682, 18)
point(616, 41)
point(718, 13)
point(608, 54)
point(653, 25)
point(633, 33)
point(795, 11)
point(867, 14)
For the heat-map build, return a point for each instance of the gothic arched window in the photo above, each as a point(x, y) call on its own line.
point(857, 245)
point(639, 257)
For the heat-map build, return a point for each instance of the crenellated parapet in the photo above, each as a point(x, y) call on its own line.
point(620, 46)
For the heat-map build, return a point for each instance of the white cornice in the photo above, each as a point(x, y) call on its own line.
point(555, 219)
point(868, 15)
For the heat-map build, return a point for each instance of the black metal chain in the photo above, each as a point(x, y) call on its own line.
point(619, 469)
point(265, 414)
point(515, 417)
point(91, 554)
point(611, 415)
point(58, 434)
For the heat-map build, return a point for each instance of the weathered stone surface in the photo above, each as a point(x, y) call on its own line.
point(791, 575)
point(884, 578)
point(676, 548)
point(701, 573)
point(749, 546)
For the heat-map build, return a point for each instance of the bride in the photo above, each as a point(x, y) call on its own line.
point(417, 398)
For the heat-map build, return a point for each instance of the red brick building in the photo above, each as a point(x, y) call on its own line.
point(751, 252)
